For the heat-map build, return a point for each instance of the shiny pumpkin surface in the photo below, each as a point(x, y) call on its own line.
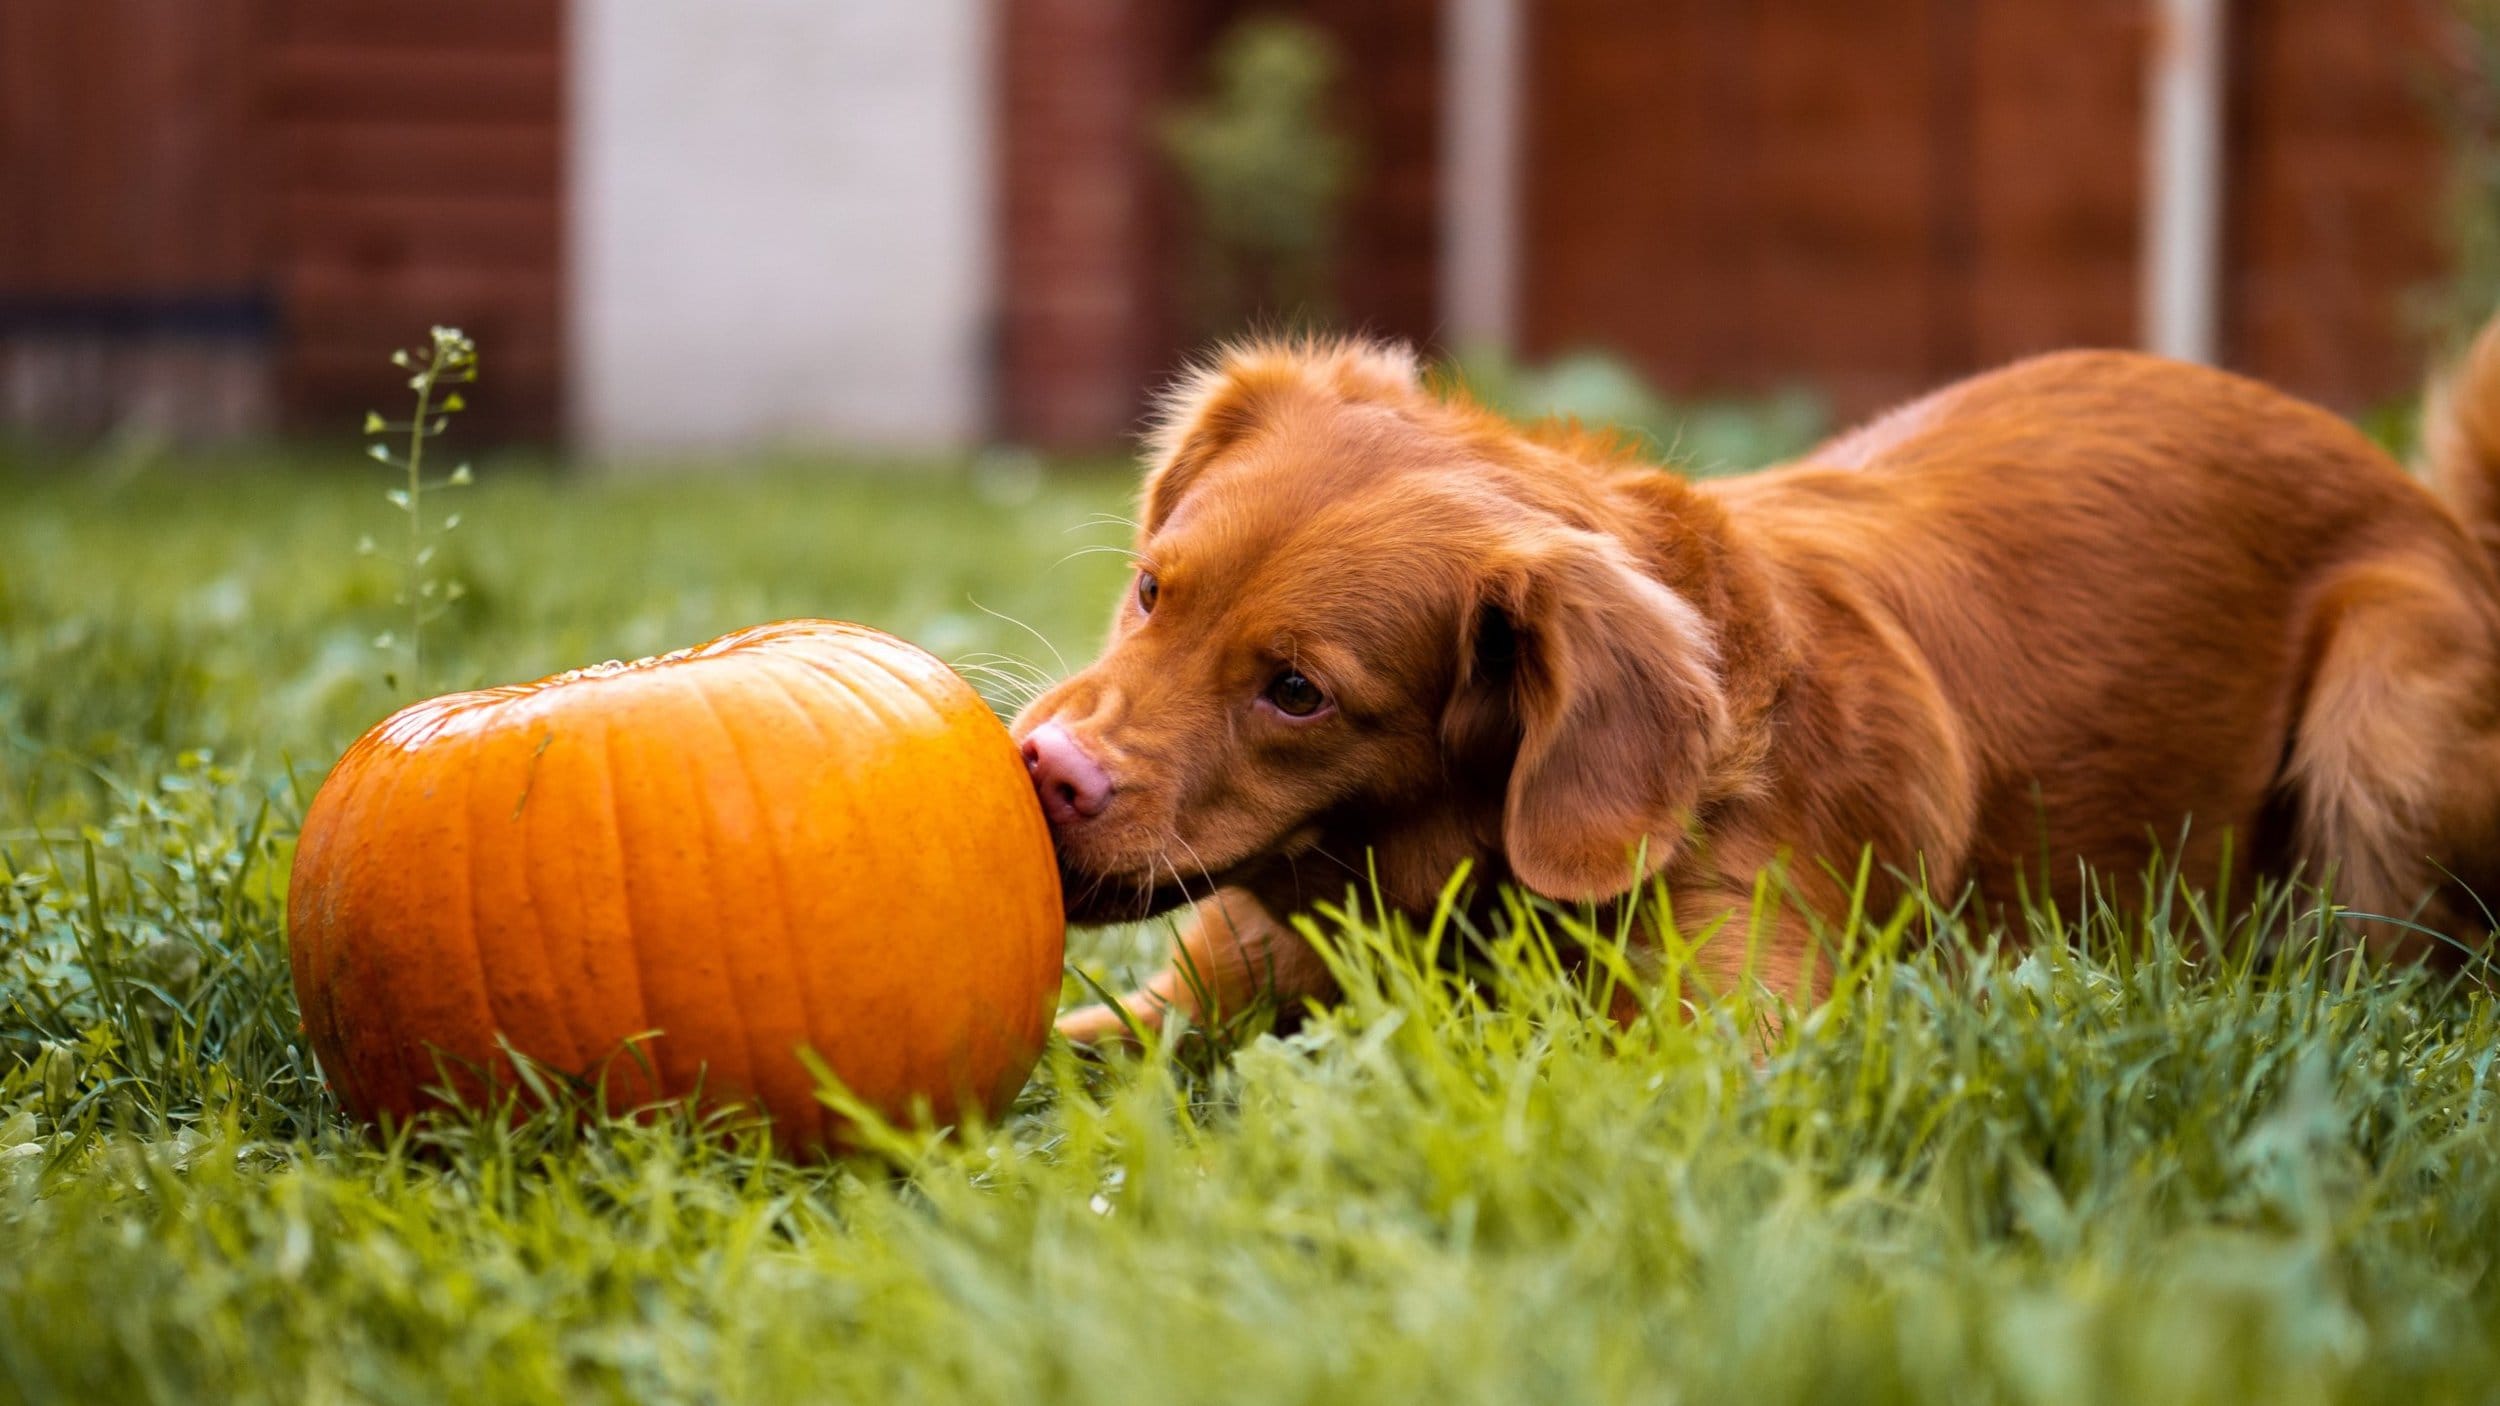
point(802, 835)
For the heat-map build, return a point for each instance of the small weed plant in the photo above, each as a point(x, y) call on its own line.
point(436, 372)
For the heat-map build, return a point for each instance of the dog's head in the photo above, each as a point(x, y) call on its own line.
point(1369, 621)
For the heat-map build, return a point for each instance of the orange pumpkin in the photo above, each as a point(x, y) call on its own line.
point(803, 835)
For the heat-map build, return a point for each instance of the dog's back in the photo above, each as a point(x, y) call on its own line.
point(2161, 595)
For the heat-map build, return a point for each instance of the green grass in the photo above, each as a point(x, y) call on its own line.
point(2125, 1164)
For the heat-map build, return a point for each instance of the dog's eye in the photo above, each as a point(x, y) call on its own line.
point(1295, 696)
point(1147, 589)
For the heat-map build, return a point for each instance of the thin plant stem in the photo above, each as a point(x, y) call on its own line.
point(416, 525)
point(452, 359)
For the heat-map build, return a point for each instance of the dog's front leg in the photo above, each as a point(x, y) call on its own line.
point(1735, 939)
point(1734, 942)
point(1231, 952)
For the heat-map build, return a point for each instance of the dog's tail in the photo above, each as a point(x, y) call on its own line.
point(2461, 437)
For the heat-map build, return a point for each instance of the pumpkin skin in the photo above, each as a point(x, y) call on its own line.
point(806, 834)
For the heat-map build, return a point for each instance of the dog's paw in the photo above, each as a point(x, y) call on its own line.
point(1102, 1025)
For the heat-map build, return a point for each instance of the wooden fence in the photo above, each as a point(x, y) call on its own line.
point(213, 202)
point(1873, 198)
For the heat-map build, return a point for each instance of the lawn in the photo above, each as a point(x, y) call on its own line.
point(2120, 1162)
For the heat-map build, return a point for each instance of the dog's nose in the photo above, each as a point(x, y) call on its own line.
point(1073, 786)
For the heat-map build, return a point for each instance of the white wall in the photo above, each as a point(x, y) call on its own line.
point(1480, 136)
point(2183, 179)
point(779, 222)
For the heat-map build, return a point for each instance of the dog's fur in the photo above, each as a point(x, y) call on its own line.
point(2056, 616)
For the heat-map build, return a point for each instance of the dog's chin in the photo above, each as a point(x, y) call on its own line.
point(1094, 900)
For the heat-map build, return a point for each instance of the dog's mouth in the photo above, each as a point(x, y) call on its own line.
point(1095, 898)
point(1098, 895)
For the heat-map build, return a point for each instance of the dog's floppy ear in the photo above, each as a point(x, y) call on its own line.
point(1610, 680)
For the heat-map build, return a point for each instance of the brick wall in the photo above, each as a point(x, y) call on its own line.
point(1083, 215)
point(132, 293)
point(415, 174)
point(220, 215)
point(1094, 235)
point(2337, 166)
point(1875, 198)
point(1866, 198)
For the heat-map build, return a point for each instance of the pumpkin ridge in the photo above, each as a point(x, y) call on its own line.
point(882, 711)
point(710, 870)
point(781, 874)
point(865, 702)
point(781, 890)
point(657, 1073)
point(563, 1015)
point(1045, 861)
point(871, 688)
point(497, 1027)
point(385, 1008)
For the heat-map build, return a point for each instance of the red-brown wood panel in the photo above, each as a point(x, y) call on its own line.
point(1734, 194)
point(1083, 217)
point(1846, 183)
point(345, 80)
point(2334, 213)
point(481, 27)
point(1876, 197)
point(1097, 271)
point(416, 160)
point(2056, 176)
point(1389, 101)
point(125, 149)
point(365, 168)
point(132, 287)
point(470, 232)
point(1623, 195)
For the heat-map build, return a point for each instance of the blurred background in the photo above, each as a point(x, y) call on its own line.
point(684, 229)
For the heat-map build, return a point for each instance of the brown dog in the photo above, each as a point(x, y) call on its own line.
point(2049, 617)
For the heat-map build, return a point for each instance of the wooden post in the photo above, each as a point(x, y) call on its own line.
point(1481, 113)
point(2183, 180)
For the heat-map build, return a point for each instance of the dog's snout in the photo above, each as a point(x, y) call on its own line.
point(1073, 786)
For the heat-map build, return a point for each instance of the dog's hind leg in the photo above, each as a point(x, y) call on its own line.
point(2394, 759)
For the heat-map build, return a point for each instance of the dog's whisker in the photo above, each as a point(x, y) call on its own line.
point(1194, 858)
point(1093, 890)
point(1028, 629)
point(1004, 660)
point(969, 666)
point(1019, 691)
point(1102, 520)
point(1324, 854)
point(1131, 554)
point(981, 656)
point(1164, 859)
point(1158, 860)
point(1363, 878)
point(1028, 678)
